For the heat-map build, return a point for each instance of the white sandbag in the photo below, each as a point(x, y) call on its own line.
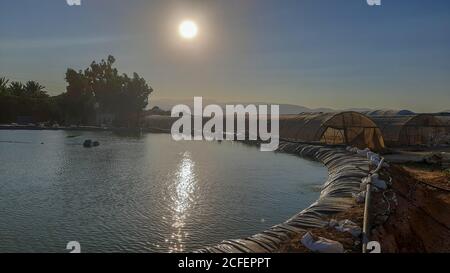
point(377, 183)
point(346, 226)
point(322, 245)
point(374, 158)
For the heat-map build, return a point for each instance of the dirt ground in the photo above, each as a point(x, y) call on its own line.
point(412, 215)
point(430, 174)
point(419, 219)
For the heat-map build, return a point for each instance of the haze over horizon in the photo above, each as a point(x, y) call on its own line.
point(333, 54)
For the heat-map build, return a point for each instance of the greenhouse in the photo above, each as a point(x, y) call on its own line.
point(445, 119)
point(422, 129)
point(349, 128)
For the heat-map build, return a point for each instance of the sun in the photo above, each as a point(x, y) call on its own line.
point(188, 29)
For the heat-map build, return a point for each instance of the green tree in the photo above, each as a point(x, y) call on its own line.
point(101, 85)
point(16, 89)
point(4, 86)
point(105, 83)
point(77, 102)
point(135, 93)
point(33, 89)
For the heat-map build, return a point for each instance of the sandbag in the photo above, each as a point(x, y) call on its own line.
point(379, 184)
point(322, 245)
point(346, 226)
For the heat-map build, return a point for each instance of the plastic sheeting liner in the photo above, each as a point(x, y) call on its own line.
point(345, 173)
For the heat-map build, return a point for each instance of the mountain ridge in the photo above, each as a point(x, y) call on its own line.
point(285, 108)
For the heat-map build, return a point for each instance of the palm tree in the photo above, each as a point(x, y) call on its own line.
point(16, 89)
point(34, 89)
point(3, 85)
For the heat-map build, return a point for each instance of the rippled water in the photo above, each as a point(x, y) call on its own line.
point(142, 194)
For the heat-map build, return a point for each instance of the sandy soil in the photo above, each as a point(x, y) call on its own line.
point(429, 174)
point(419, 219)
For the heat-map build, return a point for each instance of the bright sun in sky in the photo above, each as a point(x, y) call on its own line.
point(188, 29)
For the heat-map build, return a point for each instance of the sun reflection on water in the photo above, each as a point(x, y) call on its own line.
point(182, 199)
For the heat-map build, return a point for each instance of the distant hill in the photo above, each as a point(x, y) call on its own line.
point(389, 113)
point(289, 109)
point(157, 111)
point(285, 109)
point(358, 109)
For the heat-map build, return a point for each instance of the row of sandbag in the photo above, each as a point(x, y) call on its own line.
point(345, 172)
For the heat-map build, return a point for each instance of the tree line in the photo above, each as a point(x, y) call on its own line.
point(97, 90)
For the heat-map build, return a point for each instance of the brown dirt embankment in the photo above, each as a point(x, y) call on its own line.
point(420, 219)
point(413, 215)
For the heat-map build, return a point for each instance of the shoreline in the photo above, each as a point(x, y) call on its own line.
point(4, 127)
point(427, 205)
point(345, 172)
point(63, 128)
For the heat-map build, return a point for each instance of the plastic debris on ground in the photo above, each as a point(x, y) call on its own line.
point(321, 245)
point(346, 226)
point(374, 158)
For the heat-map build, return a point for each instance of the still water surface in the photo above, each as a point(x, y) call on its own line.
point(145, 194)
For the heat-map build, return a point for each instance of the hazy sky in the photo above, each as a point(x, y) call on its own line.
point(316, 53)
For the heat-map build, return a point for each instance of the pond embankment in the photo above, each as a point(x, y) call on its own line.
point(410, 214)
point(346, 170)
